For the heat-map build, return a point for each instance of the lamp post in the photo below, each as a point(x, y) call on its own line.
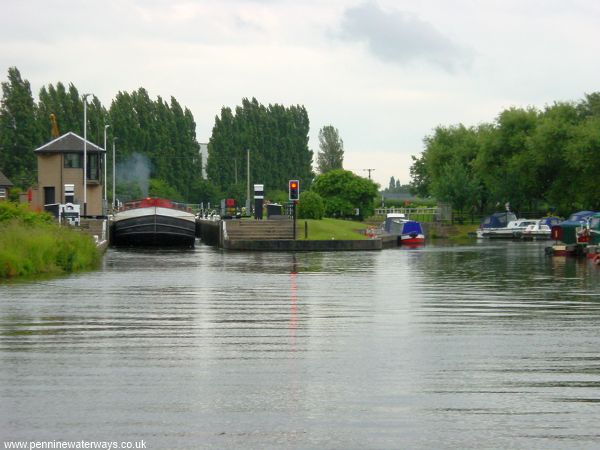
point(85, 96)
point(248, 182)
point(114, 198)
point(105, 205)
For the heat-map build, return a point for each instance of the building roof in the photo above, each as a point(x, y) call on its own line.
point(69, 142)
point(4, 182)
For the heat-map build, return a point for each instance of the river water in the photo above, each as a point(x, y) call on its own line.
point(487, 345)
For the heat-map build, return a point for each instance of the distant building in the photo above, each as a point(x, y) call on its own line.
point(5, 186)
point(60, 163)
point(203, 159)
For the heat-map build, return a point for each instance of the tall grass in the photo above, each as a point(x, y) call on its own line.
point(30, 244)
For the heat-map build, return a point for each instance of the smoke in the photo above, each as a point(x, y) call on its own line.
point(135, 172)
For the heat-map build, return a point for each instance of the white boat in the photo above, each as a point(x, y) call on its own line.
point(541, 229)
point(513, 229)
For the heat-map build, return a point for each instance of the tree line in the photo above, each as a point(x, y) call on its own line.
point(163, 133)
point(158, 154)
point(533, 159)
point(273, 138)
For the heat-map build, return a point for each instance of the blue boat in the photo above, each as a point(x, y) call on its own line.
point(409, 232)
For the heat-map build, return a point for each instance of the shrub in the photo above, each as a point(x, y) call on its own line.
point(28, 249)
point(343, 192)
point(277, 196)
point(11, 211)
point(310, 206)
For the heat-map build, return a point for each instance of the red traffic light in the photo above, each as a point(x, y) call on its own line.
point(294, 189)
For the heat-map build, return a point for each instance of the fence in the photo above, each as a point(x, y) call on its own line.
point(439, 213)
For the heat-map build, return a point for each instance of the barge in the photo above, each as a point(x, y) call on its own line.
point(154, 222)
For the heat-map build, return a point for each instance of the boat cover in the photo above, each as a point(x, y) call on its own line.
point(411, 227)
point(498, 220)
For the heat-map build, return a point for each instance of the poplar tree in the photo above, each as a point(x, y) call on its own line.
point(331, 156)
point(276, 137)
point(19, 133)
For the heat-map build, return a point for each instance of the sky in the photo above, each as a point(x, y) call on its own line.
point(385, 73)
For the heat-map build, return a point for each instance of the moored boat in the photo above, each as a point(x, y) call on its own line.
point(495, 222)
point(154, 222)
point(571, 235)
point(540, 229)
point(409, 232)
point(592, 250)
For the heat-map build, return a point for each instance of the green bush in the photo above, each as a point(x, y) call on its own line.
point(277, 196)
point(160, 188)
point(343, 193)
point(311, 206)
point(12, 211)
point(28, 249)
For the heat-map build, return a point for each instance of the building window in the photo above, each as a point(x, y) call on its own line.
point(2, 193)
point(93, 172)
point(73, 160)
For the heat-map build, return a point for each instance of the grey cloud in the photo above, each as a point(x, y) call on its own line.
point(398, 37)
point(64, 20)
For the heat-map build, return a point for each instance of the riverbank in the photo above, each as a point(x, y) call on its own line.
point(32, 244)
point(452, 232)
point(44, 249)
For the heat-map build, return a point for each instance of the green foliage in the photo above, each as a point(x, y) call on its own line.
point(128, 190)
point(164, 132)
point(400, 203)
point(19, 132)
point(204, 191)
point(277, 137)
point(160, 188)
point(10, 211)
point(238, 192)
point(456, 187)
point(331, 155)
point(311, 206)
point(527, 157)
point(277, 196)
point(14, 194)
point(28, 249)
point(395, 187)
point(343, 192)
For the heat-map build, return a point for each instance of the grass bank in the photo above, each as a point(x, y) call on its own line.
point(32, 244)
point(36, 249)
point(327, 229)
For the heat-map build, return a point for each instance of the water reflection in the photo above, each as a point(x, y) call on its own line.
point(486, 345)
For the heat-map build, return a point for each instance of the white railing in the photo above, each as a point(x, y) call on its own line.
point(429, 214)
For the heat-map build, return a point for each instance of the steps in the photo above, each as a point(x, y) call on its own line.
point(259, 230)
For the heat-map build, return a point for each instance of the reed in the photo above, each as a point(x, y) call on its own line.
point(29, 249)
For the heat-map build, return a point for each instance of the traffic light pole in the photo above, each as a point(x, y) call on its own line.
point(294, 196)
point(294, 219)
